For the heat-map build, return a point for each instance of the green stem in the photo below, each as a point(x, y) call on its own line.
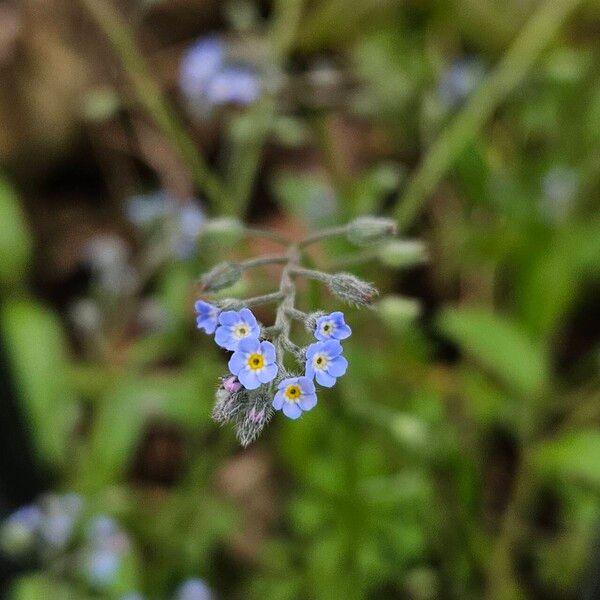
point(151, 97)
point(262, 261)
point(309, 273)
point(324, 234)
point(235, 304)
point(510, 72)
point(267, 235)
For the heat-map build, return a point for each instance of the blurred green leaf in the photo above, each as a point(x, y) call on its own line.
point(38, 355)
point(15, 241)
point(43, 586)
point(499, 345)
point(574, 455)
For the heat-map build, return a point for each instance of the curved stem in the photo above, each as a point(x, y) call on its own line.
point(324, 234)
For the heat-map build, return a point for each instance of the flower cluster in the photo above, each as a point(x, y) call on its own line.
point(259, 381)
point(208, 78)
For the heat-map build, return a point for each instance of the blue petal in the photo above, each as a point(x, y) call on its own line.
point(203, 307)
point(248, 379)
point(223, 338)
point(343, 332)
point(278, 401)
point(285, 382)
point(291, 410)
point(268, 351)
point(337, 367)
point(313, 349)
point(325, 379)
point(249, 345)
point(332, 347)
point(308, 402)
point(207, 324)
point(267, 373)
point(247, 316)
point(309, 372)
point(237, 362)
point(306, 385)
point(229, 317)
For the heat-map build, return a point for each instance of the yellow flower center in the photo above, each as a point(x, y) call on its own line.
point(320, 361)
point(240, 331)
point(256, 361)
point(327, 327)
point(293, 393)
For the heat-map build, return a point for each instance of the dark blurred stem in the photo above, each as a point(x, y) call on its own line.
point(510, 72)
point(151, 97)
point(501, 580)
point(267, 235)
point(246, 151)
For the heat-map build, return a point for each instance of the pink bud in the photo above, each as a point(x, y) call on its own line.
point(232, 385)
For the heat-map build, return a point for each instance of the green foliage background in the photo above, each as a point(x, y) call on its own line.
point(460, 456)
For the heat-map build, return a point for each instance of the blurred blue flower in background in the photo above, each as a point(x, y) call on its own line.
point(181, 222)
point(20, 528)
point(193, 589)
point(234, 85)
point(60, 514)
point(106, 545)
point(459, 80)
point(559, 187)
point(207, 78)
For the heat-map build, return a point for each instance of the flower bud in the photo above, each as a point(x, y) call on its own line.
point(399, 254)
point(351, 289)
point(222, 276)
point(228, 402)
point(251, 420)
point(365, 231)
point(398, 311)
point(224, 226)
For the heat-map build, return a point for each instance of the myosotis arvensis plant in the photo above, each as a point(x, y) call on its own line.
point(258, 381)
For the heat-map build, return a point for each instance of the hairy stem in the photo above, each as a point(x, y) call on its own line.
point(267, 235)
point(309, 274)
point(324, 234)
point(261, 261)
point(287, 288)
point(234, 303)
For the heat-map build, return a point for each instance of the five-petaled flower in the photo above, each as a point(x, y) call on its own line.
point(235, 327)
point(332, 326)
point(253, 362)
point(325, 363)
point(207, 316)
point(295, 395)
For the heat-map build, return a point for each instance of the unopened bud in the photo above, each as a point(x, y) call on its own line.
point(365, 231)
point(228, 401)
point(224, 226)
point(398, 311)
point(399, 254)
point(251, 420)
point(222, 276)
point(351, 289)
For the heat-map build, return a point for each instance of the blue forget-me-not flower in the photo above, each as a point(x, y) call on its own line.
point(325, 363)
point(295, 395)
point(207, 316)
point(332, 326)
point(253, 362)
point(235, 326)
